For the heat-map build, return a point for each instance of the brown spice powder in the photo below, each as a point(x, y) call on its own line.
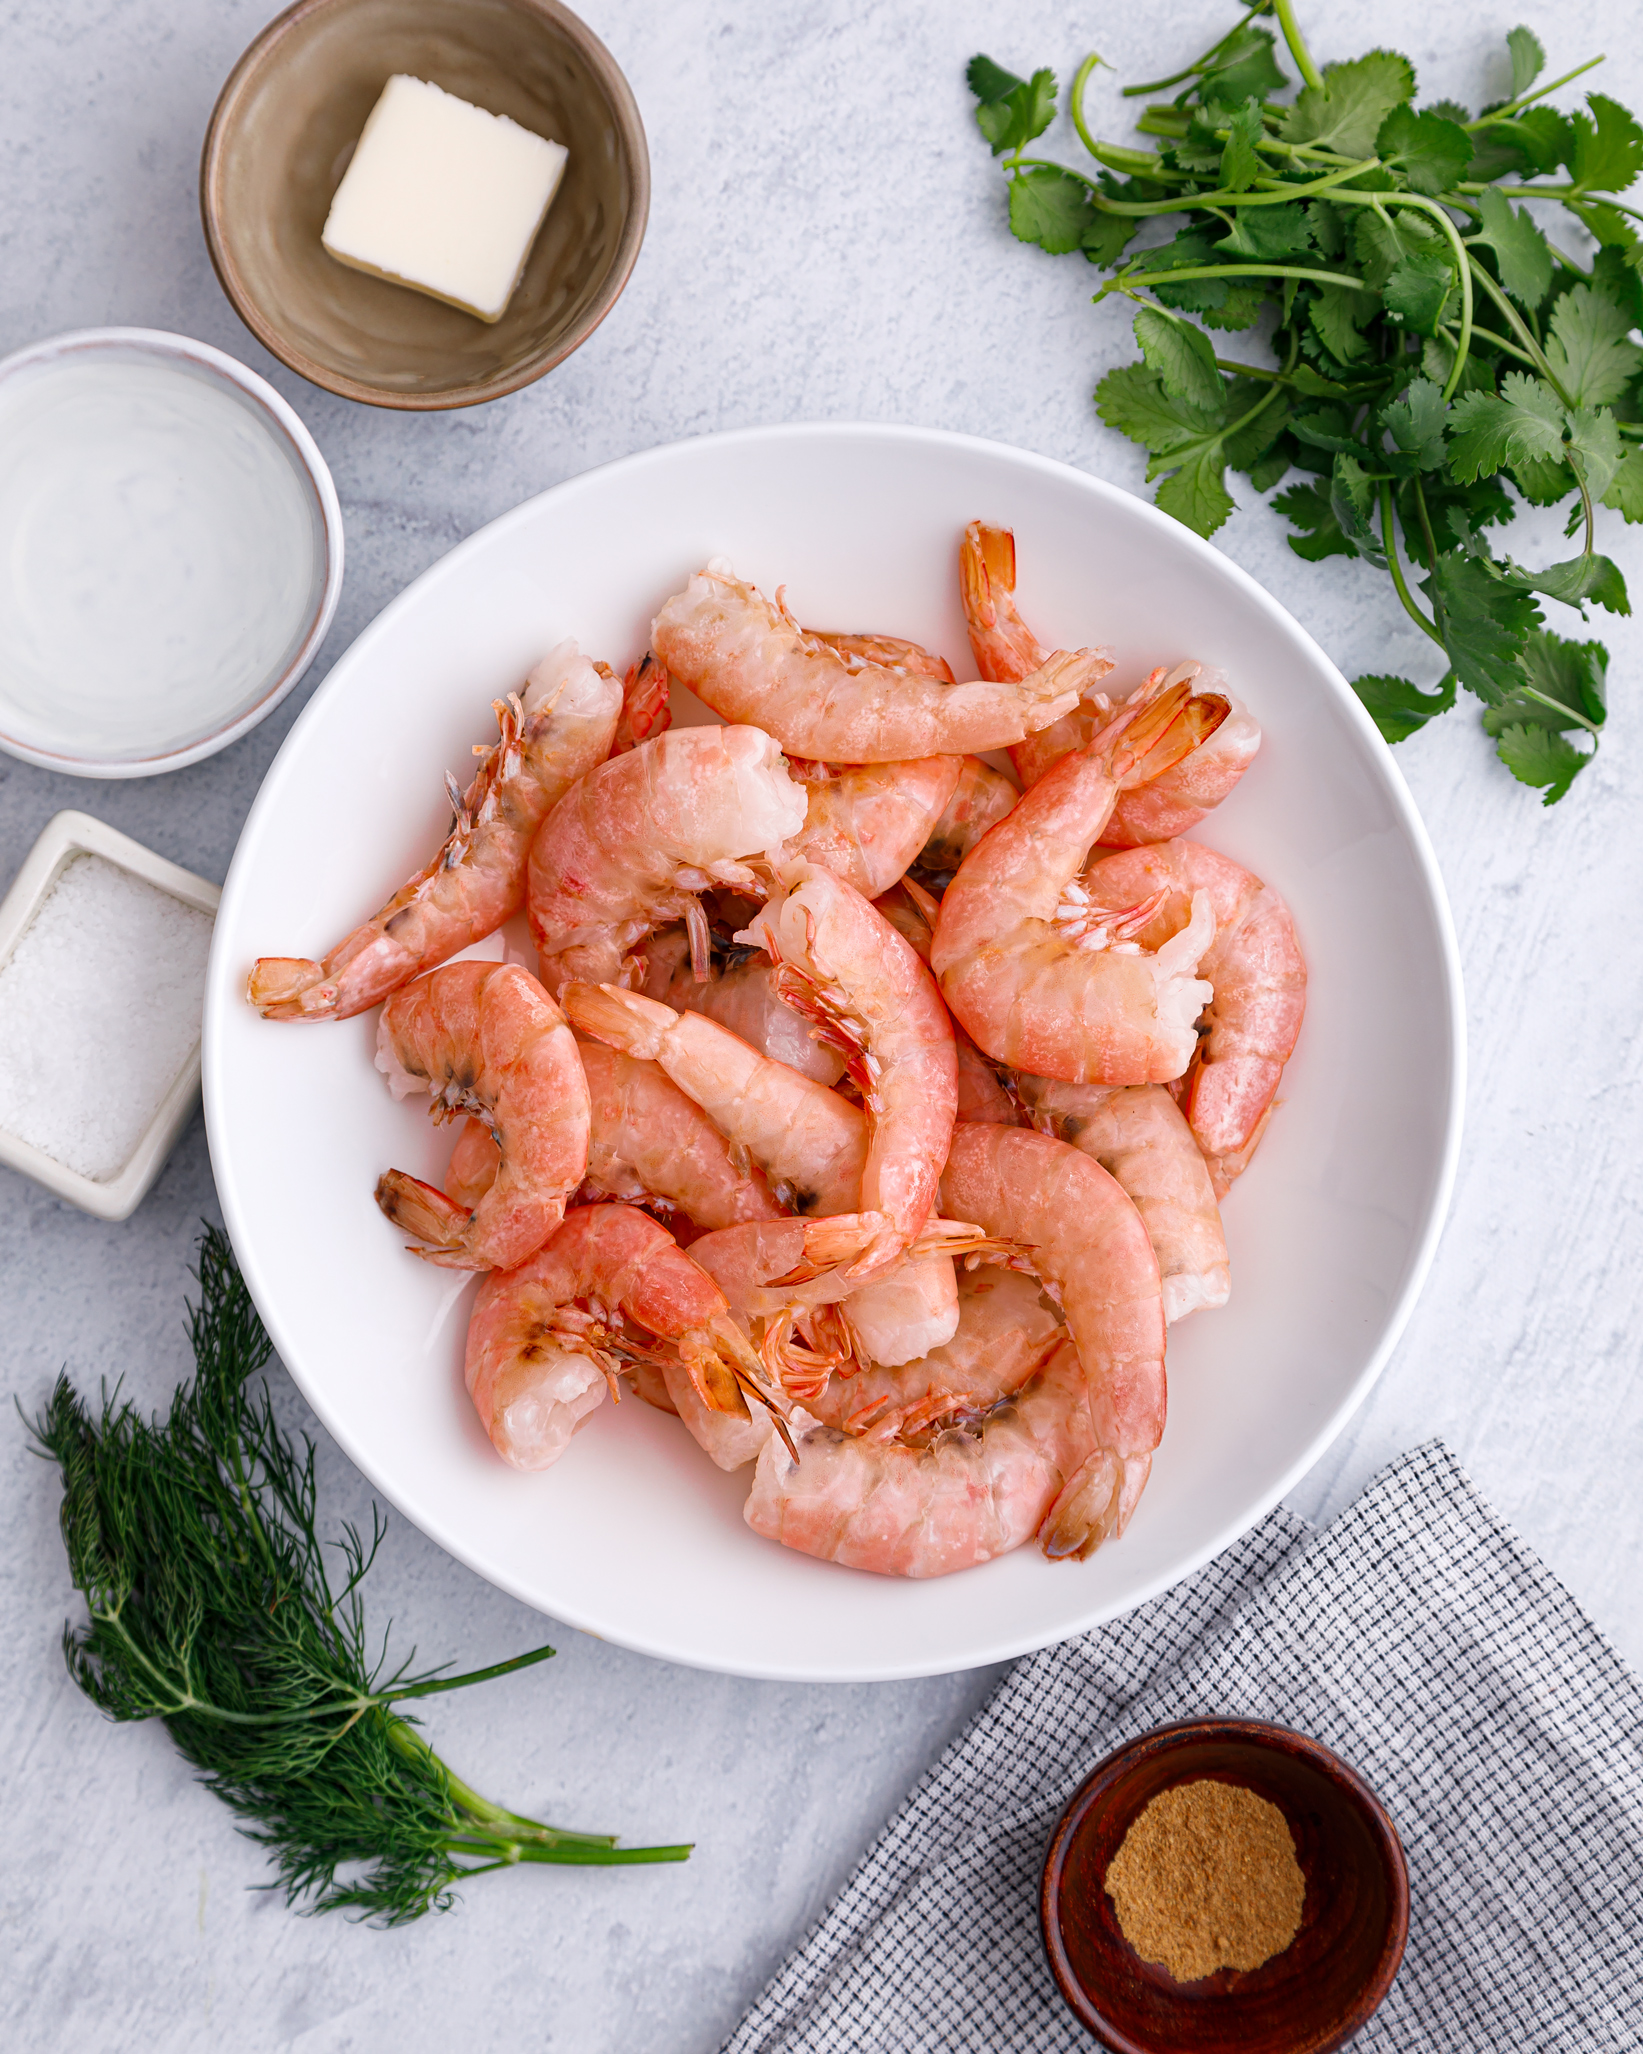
point(1206, 1878)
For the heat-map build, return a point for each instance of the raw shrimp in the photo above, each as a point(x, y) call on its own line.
point(980, 1094)
point(867, 822)
point(1035, 977)
point(1258, 977)
point(547, 1338)
point(561, 728)
point(981, 798)
point(911, 914)
point(647, 705)
point(845, 967)
point(1067, 1455)
point(1137, 1133)
point(749, 660)
point(740, 995)
point(485, 1038)
point(632, 844)
point(1006, 648)
point(813, 1145)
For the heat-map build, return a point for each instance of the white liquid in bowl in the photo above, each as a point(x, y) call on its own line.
point(160, 556)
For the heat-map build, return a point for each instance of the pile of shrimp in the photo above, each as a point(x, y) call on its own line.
point(870, 1109)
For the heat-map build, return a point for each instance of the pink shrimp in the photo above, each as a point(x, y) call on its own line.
point(740, 995)
point(1066, 1456)
point(911, 912)
point(842, 965)
point(1005, 647)
point(562, 727)
point(1035, 977)
point(548, 1337)
point(647, 705)
point(867, 822)
point(814, 1146)
point(981, 798)
point(486, 1038)
point(751, 661)
point(1137, 1133)
point(632, 844)
point(884, 652)
point(1257, 975)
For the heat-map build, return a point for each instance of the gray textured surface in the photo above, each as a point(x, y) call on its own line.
point(826, 242)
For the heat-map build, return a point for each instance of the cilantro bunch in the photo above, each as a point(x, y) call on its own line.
point(1437, 359)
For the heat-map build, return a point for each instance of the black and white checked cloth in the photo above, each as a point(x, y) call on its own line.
point(1419, 1638)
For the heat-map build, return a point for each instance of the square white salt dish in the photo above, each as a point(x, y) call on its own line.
point(91, 1105)
point(443, 197)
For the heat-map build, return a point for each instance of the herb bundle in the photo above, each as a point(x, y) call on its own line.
point(1432, 345)
point(195, 1543)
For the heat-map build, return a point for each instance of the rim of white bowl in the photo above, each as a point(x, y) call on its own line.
point(287, 424)
point(1001, 1647)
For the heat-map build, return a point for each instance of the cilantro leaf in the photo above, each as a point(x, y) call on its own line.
point(1012, 111)
point(1346, 112)
point(1581, 578)
point(1484, 622)
point(1431, 152)
point(1574, 674)
point(1196, 494)
point(1338, 313)
point(1327, 428)
point(1608, 151)
point(1183, 357)
point(1535, 756)
point(1625, 493)
point(1266, 471)
point(1240, 308)
point(1382, 243)
point(1418, 291)
point(1528, 60)
point(1240, 165)
point(1107, 237)
point(1352, 500)
point(1308, 509)
point(1415, 424)
point(1050, 208)
point(1247, 443)
point(1306, 380)
point(1543, 481)
point(1594, 447)
point(1132, 400)
point(1248, 70)
point(1271, 232)
point(1546, 138)
point(1489, 430)
point(1522, 254)
point(1617, 274)
point(1399, 708)
point(1587, 347)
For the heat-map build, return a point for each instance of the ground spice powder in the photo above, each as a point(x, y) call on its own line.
point(1206, 1878)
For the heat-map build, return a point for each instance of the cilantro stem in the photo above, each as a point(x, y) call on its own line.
point(1525, 99)
point(1075, 107)
point(1297, 43)
point(1536, 355)
point(1155, 278)
point(1200, 64)
point(1427, 536)
point(1389, 536)
point(1557, 706)
point(1464, 268)
point(1272, 192)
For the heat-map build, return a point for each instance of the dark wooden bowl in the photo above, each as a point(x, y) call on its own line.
point(282, 134)
point(1309, 1999)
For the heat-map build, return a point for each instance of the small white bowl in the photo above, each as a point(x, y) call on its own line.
point(165, 748)
point(65, 836)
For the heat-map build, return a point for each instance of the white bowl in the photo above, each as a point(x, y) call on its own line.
point(634, 1535)
point(162, 740)
point(65, 836)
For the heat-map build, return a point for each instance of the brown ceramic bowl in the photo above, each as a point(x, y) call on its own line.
point(1309, 1999)
point(281, 136)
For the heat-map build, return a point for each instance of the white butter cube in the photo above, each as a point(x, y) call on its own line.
point(443, 197)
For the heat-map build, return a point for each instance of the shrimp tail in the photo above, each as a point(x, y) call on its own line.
point(624, 1019)
point(421, 1209)
point(291, 988)
point(1087, 1510)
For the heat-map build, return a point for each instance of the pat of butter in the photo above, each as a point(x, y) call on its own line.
point(443, 197)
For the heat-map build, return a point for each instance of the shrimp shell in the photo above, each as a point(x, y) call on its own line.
point(867, 822)
point(486, 1038)
point(632, 844)
point(751, 661)
point(981, 798)
point(562, 728)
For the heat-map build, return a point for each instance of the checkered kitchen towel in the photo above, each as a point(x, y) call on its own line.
point(1416, 1636)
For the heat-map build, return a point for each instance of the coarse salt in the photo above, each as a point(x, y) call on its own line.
point(100, 1007)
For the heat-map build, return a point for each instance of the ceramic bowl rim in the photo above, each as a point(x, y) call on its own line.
point(1107, 1776)
point(260, 54)
point(285, 423)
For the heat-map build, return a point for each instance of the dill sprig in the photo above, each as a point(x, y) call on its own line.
point(195, 1543)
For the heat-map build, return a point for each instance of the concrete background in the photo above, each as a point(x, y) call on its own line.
point(827, 241)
